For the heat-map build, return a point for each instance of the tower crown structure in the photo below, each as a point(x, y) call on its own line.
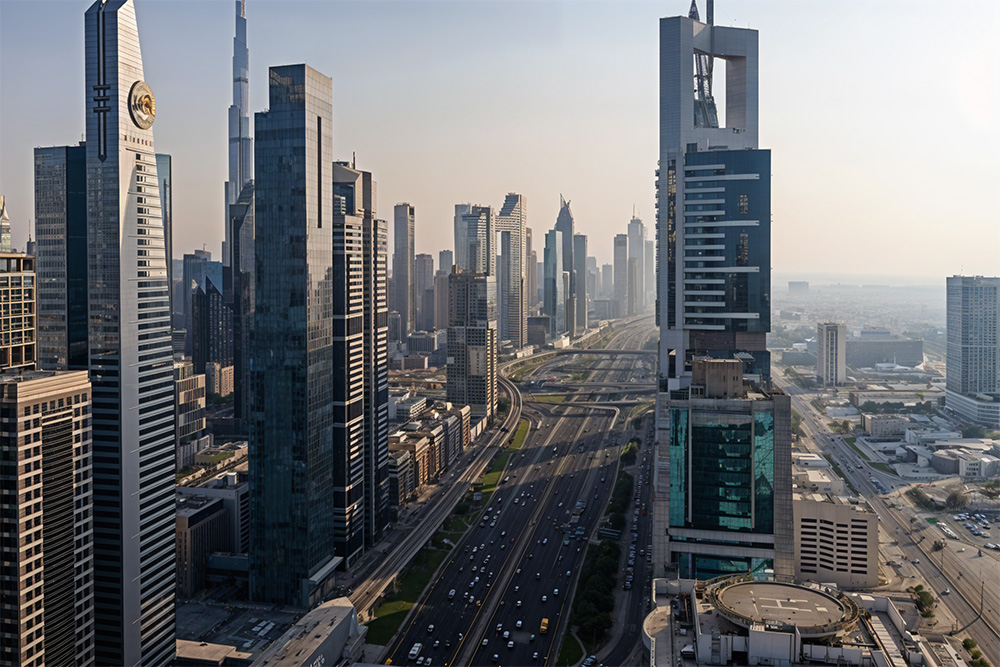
point(129, 350)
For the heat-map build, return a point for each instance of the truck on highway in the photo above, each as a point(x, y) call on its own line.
point(415, 651)
point(544, 627)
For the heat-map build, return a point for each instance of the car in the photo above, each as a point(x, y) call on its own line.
point(499, 628)
point(496, 657)
point(946, 591)
point(510, 644)
point(538, 575)
point(534, 656)
point(517, 571)
point(485, 642)
point(518, 605)
point(420, 660)
point(555, 592)
point(916, 561)
point(545, 541)
point(506, 634)
point(961, 549)
point(430, 628)
point(518, 624)
point(545, 598)
point(437, 642)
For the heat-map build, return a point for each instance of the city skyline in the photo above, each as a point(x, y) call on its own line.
point(553, 43)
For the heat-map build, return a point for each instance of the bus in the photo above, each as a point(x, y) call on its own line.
point(415, 651)
point(545, 626)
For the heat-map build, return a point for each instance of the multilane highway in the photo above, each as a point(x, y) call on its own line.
point(501, 569)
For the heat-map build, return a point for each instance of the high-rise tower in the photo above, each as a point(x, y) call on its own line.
point(972, 366)
point(360, 246)
point(402, 269)
point(564, 225)
point(130, 360)
point(472, 342)
point(554, 295)
point(513, 303)
point(293, 528)
point(723, 476)
point(637, 251)
point(580, 270)
point(238, 248)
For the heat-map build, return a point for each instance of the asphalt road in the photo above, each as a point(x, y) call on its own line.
point(551, 471)
point(964, 601)
point(521, 553)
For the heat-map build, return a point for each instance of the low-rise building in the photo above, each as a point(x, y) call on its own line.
point(884, 426)
point(423, 456)
point(202, 529)
point(233, 489)
point(406, 406)
point(966, 463)
point(401, 476)
point(330, 634)
point(836, 541)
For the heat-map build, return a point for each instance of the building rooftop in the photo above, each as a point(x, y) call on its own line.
point(763, 602)
point(209, 654)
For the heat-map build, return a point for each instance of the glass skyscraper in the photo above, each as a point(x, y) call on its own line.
point(722, 490)
point(61, 256)
point(293, 531)
point(129, 350)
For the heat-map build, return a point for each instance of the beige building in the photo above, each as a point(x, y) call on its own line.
point(883, 426)
point(836, 542)
point(47, 547)
point(17, 294)
point(831, 353)
point(218, 379)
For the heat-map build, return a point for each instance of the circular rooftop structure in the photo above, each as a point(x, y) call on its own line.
point(815, 611)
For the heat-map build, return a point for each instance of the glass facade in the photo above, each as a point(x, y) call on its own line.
point(61, 256)
point(722, 469)
point(727, 239)
point(292, 476)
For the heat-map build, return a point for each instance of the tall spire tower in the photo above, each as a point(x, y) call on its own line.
point(240, 143)
point(237, 250)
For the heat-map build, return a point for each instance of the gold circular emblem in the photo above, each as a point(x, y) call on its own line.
point(142, 105)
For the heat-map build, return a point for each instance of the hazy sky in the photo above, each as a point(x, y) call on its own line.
point(882, 117)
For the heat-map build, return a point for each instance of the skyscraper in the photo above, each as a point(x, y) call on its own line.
point(47, 545)
point(441, 299)
point(513, 311)
point(423, 279)
point(637, 250)
point(211, 321)
point(972, 365)
point(621, 294)
point(354, 220)
point(4, 226)
point(530, 272)
point(461, 236)
point(555, 297)
point(18, 310)
point(131, 365)
point(405, 301)
point(607, 281)
point(61, 256)
point(472, 342)
point(580, 270)
point(446, 259)
point(564, 224)
point(718, 420)
point(480, 239)
point(194, 268)
point(293, 527)
point(238, 246)
point(831, 353)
